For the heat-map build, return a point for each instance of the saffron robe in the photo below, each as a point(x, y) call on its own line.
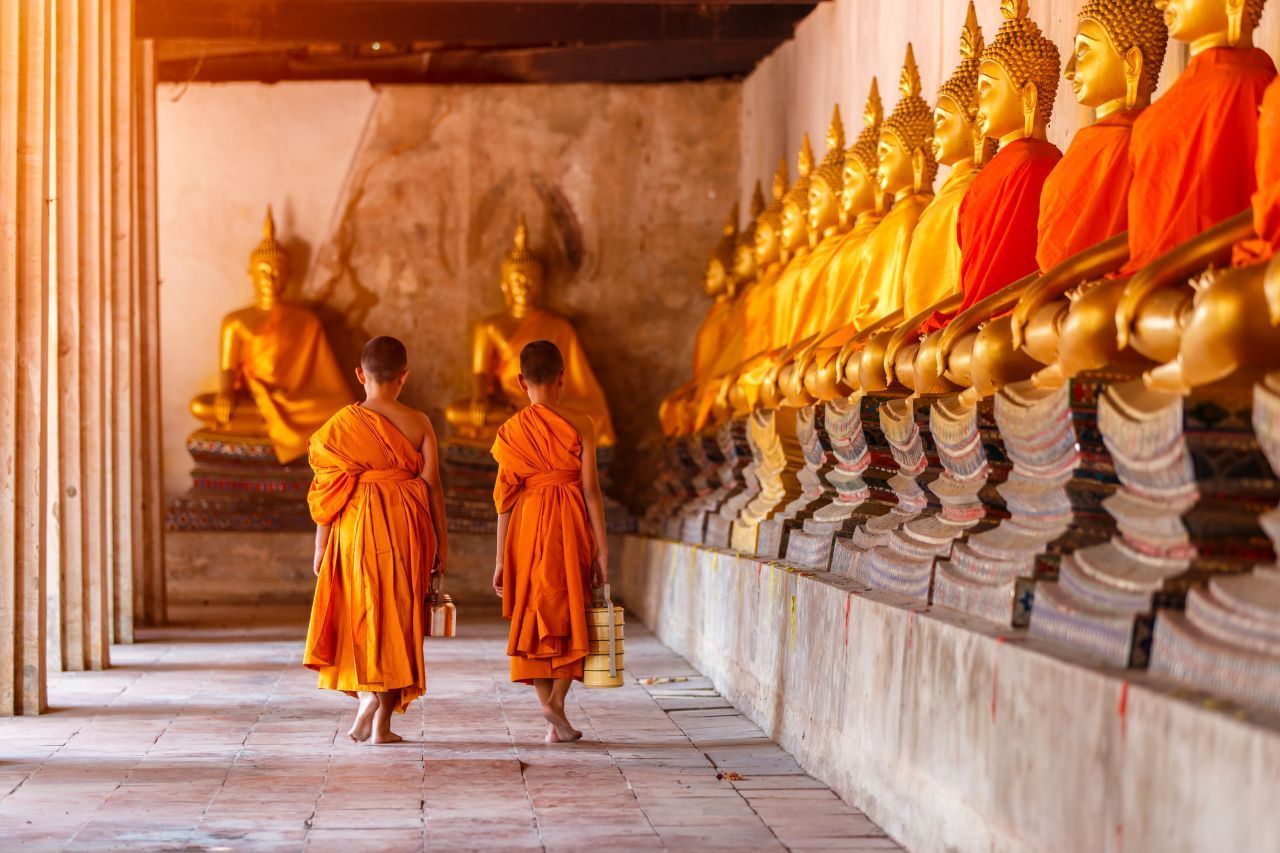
point(884, 260)
point(998, 218)
point(1266, 201)
point(582, 391)
point(932, 271)
point(786, 294)
point(806, 308)
point(292, 375)
point(1193, 151)
point(367, 615)
point(1086, 196)
point(549, 548)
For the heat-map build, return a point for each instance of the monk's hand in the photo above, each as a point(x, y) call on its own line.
point(497, 581)
point(315, 564)
point(442, 561)
point(599, 571)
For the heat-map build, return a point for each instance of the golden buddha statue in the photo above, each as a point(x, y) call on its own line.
point(495, 355)
point(274, 353)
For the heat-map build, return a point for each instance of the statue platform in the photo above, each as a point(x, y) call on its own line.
point(238, 485)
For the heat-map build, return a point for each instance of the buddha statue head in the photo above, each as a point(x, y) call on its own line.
point(795, 204)
point(955, 118)
point(717, 280)
point(1018, 78)
point(1116, 57)
point(1211, 23)
point(269, 266)
point(768, 236)
point(744, 247)
point(860, 191)
point(522, 274)
point(826, 183)
point(905, 153)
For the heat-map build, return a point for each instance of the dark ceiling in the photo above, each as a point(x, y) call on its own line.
point(465, 41)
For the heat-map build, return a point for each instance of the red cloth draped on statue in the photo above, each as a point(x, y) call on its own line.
point(1193, 151)
point(1266, 201)
point(1085, 198)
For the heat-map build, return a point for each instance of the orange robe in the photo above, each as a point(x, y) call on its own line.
point(805, 317)
point(998, 218)
point(367, 615)
point(549, 548)
point(582, 391)
point(1086, 196)
point(932, 272)
point(1266, 201)
point(880, 279)
point(786, 294)
point(1194, 150)
point(294, 379)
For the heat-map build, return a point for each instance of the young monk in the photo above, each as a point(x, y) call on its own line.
point(551, 539)
point(380, 529)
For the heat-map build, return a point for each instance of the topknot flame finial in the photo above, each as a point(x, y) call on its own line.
point(909, 85)
point(1012, 10)
point(780, 180)
point(269, 250)
point(731, 222)
point(971, 35)
point(804, 162)
point(757, 201)
point(835, 131)
point(873, 112)
point(520, 258)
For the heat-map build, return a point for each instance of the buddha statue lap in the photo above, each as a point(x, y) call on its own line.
point(278, 382)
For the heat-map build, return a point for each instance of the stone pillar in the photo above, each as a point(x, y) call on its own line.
point(24, 320)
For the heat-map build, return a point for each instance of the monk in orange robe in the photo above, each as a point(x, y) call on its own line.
point(1085, 197)
point(380, 529)
point(999, 216)
point(1193, 151)
point(1266, 201)
point(551, 536)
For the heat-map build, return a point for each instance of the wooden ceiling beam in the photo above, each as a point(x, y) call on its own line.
point(462, 22)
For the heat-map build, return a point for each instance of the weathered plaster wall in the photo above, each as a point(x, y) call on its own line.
point(407, 198)
point(954, 735)
point(842, 44)
point(225, 153)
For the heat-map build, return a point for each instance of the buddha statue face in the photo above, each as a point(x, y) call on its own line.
point(795, 232)
point(767, 246)
point(859, 193)
point(952, 133)
point(744, 264)
point(1097, 70)
point(715, 281)
point(521, 286)
point(1000, 104)
point(269, 280)
point(896, 172)
point(1193, 21)
point(824, 208)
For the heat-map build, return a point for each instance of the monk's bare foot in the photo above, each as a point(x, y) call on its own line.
point(362, 728)
point(381, 738)
point(559, 729)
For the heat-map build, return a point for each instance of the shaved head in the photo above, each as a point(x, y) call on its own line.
point(384, 359)
point(541, 362)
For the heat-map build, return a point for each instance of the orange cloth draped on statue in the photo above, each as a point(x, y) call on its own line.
point(999, 215)
point(786, 293)
point(804, 319)
point(721, 331)
point(1266, 201)
point(582, 391)
point(547, 557)
point(1085, 198)
point(367, 616)
point(932, 272)
point(293, 377)
point(884, 258)
point(1194, 151)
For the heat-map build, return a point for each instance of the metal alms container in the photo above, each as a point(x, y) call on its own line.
point(602, 666)
point(442, 616)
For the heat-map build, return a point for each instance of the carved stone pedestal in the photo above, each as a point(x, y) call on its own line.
point(736, 443)
point(815, 491)
point(777, 461)
point(692, 517)
point(238, 485)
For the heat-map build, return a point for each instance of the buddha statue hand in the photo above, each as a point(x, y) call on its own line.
point(224, 406)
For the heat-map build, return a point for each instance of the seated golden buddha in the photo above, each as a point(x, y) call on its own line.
point(495, 355)
point(278, 376)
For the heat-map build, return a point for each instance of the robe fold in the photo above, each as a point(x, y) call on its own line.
point(367, 624)
point(999, 216)
point(549, 548)
point(582, 392)
point(1086, 196)
point(844, 275)
point(932, 271)
point(786, 295)
point(880, 279)
point(1194, 151)
point(806, 306)
point(293, 377)
point(1266, 201)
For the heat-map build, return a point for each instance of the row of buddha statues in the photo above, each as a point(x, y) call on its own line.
point(1046, 393)
point(279, 380)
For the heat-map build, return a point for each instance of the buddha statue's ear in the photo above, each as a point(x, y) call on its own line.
point(1133, 67)
point(1030, 102)
point(918, 165)
point(1235, 21)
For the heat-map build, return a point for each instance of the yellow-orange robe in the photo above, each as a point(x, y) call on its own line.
point(932, 270)
point(367, 615)
point(582, 391)
point(786, 293)
point(880, 285)
point(677, 411)
point(549, 548)
point(1266, 201)
point(840, 289)
point(294, 379)
point(1194, 151)
point(804, 317)
point(1086, 196)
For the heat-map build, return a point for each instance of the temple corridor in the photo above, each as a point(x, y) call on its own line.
point(209, 734)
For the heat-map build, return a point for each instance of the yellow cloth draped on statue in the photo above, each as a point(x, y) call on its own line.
point(880, 279)
point(933, 264)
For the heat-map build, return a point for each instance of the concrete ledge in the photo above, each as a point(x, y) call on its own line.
point(950, 733)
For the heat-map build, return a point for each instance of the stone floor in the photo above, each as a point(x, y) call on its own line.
point(209, 735)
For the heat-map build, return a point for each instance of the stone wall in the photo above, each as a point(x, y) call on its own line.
point(951, 734)
point(842, 44)
point(417, 190)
